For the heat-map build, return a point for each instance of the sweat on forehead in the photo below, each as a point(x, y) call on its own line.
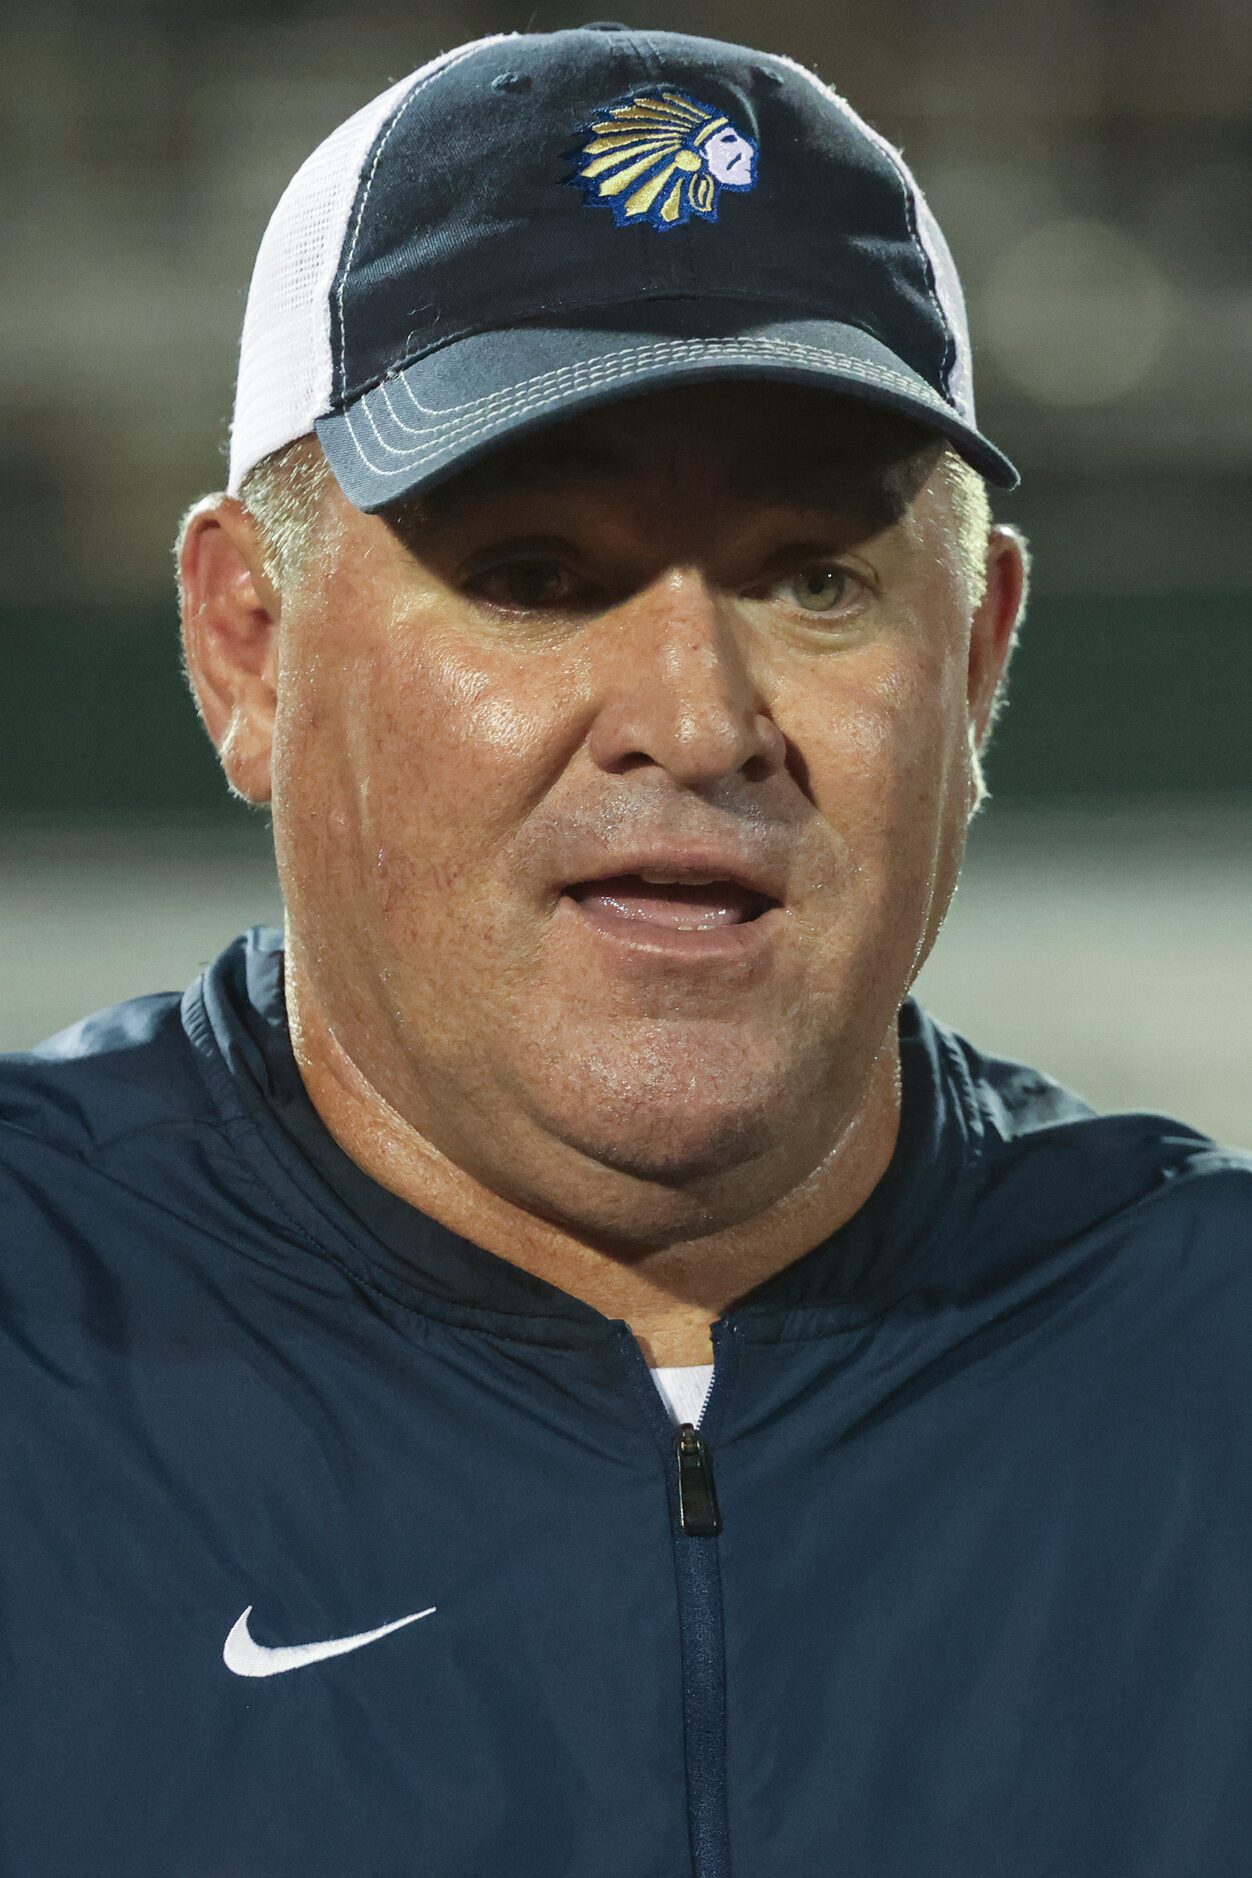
point(763, 443)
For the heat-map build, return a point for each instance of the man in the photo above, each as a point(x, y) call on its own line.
point(555, 1363)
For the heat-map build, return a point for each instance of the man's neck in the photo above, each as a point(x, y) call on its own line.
point(669, 1295)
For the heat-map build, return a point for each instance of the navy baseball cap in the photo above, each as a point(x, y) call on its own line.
point(536, 224)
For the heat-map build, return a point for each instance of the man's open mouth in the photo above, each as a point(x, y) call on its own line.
point(679, 904)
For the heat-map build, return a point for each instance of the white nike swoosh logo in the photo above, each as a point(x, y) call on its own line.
point(243, 1656)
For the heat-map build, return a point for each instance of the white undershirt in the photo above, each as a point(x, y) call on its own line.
point(683, 1389)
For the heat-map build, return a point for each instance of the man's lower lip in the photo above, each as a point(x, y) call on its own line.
point(746, 940)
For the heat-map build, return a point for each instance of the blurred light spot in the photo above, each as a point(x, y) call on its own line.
point(1077, 312)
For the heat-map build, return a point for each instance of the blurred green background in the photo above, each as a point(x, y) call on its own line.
point(1091, 165)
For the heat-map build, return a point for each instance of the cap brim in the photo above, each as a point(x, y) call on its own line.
point(457, 404)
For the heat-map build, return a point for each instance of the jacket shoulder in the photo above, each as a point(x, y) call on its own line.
point(1039, 1130)
point(122, 1069)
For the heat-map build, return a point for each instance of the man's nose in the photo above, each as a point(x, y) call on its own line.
point(681, 686)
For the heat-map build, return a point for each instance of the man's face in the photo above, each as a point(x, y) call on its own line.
point(722, 615)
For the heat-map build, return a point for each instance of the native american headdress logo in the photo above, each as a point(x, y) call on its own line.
point(660, 157)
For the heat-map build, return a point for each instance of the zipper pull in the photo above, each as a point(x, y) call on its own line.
point(697, 1496)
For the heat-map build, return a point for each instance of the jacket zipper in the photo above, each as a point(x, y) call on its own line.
point(697, 1522)
point(698, 1512)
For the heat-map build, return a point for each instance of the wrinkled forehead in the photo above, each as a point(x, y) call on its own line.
point(767, 444)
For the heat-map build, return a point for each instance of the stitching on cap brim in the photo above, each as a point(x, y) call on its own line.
point(425, 437)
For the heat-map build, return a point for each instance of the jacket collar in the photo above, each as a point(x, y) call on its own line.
point(905, 1237)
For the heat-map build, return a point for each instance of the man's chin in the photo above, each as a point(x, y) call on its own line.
point(673, 1173)
point(642, 1205)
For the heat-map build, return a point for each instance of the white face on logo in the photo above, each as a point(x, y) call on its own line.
point(730, 157)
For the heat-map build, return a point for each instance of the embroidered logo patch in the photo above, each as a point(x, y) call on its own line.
point(660, 157)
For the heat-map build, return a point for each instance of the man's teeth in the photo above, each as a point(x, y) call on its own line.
point(686, 880)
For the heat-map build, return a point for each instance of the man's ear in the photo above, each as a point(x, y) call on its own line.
point(995, 623)
point(230, 613)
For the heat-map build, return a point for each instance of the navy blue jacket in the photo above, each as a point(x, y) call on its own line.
point(959, 1586)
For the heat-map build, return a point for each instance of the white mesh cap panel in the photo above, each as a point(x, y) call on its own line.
point(284, 381)
point(948, 294)
point(284, 353)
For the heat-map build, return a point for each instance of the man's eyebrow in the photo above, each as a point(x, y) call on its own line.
point(825, 480)
point(516, 469)
point(823, 476)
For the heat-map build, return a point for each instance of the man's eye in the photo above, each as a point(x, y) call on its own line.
point(817, 589)
point(536, 584)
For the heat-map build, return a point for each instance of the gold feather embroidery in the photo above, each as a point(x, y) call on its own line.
point(652, 146)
